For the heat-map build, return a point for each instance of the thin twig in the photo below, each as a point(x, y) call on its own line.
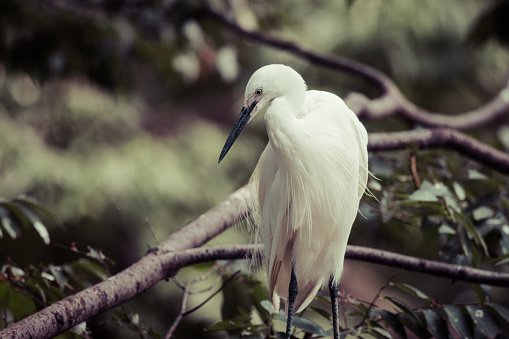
point(391, 101)
point(379, 79)
point(152, 231)
point(185, 293)
point(178, 283)
point(183, 303)
point(413, 169)
point(213, 294)
point(375, 299)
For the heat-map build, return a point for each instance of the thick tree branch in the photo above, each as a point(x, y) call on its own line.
point(152, 268)
point(177, 251)
point(441, 137)
point(166, 259)
point(391, 101)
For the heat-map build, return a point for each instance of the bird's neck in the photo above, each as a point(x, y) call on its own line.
point(282, 125)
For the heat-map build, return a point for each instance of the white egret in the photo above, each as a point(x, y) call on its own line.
point(309, 181)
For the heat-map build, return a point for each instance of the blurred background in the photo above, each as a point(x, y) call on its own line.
point(113, 114)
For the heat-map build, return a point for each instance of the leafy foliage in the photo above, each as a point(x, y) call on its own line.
point(64, 43)
point(469, 221)
point(23, 213)
point(28, 289)
point(429, 320)
point(106, 164)
point(127, 320)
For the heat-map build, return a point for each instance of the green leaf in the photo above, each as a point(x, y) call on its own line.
point(321, 312)
point(452, 203)
point(436, 324)
point(410, 319)
point(96, 254)
point(28, 218)
point(459, 321)
point(414, 325)
point(428, 192)
point(412, 291)
point(17, 215)
point(304, 324)
point(43, 232)
point(459, 190)
point(402, 306)
point(502, 260)
point(484, 322)
point(446, 229)
point(27, 212)
point(39, 208)
point(482, 292)
point(381, 332)
point(20, 305)
point(504, 238)
point(466, 245)
point(10, 226)
point(323, 299)
point(500, 310)
point(236, 299)
point(482, 212)
point(268, 306)
point(227, 325)
point(393, 323)
point(476, 175)
point(58, 273)
point(87, 268)
point(472, 230)
point(259, 295)
point(496, 223)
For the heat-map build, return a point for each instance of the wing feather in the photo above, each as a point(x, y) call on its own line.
point(302, 190)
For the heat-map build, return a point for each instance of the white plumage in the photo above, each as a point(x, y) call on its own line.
point(309, 179)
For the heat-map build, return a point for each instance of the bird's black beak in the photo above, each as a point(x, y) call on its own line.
point(242, 120)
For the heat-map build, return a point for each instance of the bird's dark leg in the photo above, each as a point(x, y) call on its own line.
point(333, 288)
point(292, 294)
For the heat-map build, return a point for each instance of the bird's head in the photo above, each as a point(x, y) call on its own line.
point(265, 85)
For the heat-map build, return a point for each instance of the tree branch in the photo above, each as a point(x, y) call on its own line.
point(166, 259)
point(382, 82)
point(439, 269)
point(441, 137)
point(185, 293)
point(391, 101)
point(152, 268)
point(396, 103)
point(371, 255)
point(177, 251)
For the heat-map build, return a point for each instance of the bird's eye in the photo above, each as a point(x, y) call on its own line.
point(258, 91)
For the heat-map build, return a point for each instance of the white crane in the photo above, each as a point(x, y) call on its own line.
point(309, 181)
